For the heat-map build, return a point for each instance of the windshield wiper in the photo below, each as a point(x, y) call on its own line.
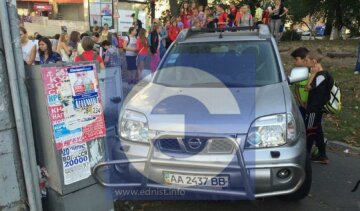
point(207, 84)
point(165, 84)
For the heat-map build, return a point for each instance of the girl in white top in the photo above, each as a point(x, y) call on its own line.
point(131, 54)
point(63, 49)
point(28, 47)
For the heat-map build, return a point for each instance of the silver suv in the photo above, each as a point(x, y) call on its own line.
point(217, 118)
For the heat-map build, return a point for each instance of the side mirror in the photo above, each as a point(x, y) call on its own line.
point(298, 74)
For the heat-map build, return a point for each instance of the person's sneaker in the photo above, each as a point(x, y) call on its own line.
point(356, 72)
point(320, 159)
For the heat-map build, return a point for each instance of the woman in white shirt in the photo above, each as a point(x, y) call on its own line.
point(63, 49)
point(131, 54)
point(28, 47)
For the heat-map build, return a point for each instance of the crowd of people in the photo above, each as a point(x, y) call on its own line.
point(143, 48)
point(222, 16)
point(73, 47)
point(139, 46)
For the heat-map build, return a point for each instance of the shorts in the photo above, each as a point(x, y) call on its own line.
point(131, 63)
point(142, 58)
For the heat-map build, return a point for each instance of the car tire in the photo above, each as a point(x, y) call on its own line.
point(304, 190)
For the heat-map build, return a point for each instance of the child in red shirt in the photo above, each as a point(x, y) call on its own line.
point(173, 32)
point(89, 55)
point(222, 19)
point(142, 47)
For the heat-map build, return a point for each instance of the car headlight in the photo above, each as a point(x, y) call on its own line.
point(133, 126)
point(272, 131)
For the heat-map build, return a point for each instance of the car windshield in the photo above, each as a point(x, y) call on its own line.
point(219, 64)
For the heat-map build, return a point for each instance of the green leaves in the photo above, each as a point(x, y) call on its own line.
point(343, 12)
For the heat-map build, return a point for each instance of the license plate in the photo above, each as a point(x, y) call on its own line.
point(206, 181)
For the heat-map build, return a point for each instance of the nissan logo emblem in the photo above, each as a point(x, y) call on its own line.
point(194, 143)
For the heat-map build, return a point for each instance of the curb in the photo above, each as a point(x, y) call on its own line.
point(344, 145)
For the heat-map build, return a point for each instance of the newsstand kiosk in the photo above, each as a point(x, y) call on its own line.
point(69, 130)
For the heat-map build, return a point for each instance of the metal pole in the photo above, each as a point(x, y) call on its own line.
point(152, 11)
point(19, 96)
point(24, 97)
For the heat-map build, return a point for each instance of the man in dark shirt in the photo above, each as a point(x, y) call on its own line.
point(136, 22)
point(319, 85)
point(211, 22)
point(96, 38)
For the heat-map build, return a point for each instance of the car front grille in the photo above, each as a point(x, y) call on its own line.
point(169, 144)
point(220, 146)
point(195, 145)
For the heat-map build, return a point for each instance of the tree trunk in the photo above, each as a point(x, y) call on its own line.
point(311, 27)
point(329, 22)
point(152, 10)
point(203, 2)
point(174, 8)
point(334, 34)
point(338, 23)
point(339, 16)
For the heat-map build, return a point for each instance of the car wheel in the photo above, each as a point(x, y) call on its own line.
point(304, 190)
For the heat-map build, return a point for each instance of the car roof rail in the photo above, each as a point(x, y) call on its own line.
point(263, 31)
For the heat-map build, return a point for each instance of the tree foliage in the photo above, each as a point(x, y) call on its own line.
point(337, 13)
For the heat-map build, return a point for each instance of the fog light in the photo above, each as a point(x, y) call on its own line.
point(283, 173)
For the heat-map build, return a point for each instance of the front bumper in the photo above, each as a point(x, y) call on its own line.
point(252, 173)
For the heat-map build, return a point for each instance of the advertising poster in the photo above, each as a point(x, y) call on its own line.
point(82, 80)
point(94, 9)
point(74, 104)
point(101, 12)
point(76, 163)
point(106, 19)
point(106, 9)
point(125, 20)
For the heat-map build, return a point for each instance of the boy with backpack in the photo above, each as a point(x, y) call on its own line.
point(319, 85)
point(112, 55)
point(301, 95)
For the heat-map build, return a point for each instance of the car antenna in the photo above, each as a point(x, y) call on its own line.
point(220, 35)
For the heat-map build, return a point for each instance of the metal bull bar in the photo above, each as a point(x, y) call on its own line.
point(249, 189)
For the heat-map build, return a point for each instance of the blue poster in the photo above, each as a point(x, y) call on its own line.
point(83, 84)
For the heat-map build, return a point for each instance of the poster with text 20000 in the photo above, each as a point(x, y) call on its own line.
point(76, 116)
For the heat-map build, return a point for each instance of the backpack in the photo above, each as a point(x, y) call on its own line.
point(82, 58)
point(333, 106)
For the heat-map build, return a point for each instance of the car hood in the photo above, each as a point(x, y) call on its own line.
point(206, 110)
